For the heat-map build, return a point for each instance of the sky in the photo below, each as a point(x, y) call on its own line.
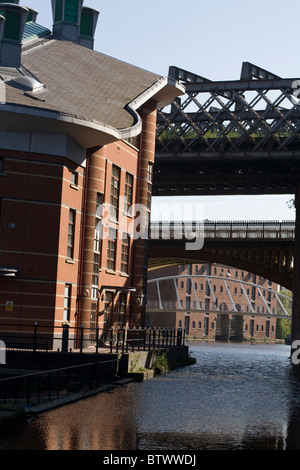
point(211, 39)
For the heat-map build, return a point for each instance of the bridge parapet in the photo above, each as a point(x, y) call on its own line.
point(262, 230)
point(259, 112)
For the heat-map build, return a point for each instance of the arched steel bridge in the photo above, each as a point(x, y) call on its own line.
point(236, 308)
point(263, 248)
point(229, 137)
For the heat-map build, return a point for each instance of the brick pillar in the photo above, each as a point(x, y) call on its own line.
point(96, 162)
point(296, 282)
point(140, 246)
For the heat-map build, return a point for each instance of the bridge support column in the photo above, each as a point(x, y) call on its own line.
point(296, 281)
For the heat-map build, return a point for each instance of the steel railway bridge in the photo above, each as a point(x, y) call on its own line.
point(234, 137)
point(264, 248)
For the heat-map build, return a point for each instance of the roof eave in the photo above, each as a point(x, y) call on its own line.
point(86, 133)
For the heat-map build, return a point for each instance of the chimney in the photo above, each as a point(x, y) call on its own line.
point(66, 19)
point(12, 33)
point(88, 24)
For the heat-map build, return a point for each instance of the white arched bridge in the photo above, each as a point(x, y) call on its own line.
point(273, 303)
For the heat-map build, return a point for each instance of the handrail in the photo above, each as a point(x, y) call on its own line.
point(223, 229)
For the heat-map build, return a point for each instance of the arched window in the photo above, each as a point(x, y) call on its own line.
point(179, 324)
point(199, 325)
point(193, 325)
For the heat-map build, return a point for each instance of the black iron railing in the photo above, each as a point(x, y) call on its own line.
point(66, 339)
point(42, 387)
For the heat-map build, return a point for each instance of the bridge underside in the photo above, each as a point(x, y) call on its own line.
point(272, 260)
point(239, 173)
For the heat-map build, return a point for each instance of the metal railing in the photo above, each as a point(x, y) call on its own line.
point(42, 387)
point(39, 338)
point(266, 230)
point(126, 340)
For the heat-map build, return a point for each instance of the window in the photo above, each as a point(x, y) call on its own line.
point(111, 249)
point(71, 231)
point(149, 184)
point(95, 276)
point(1, 164)
point(109, 298)
point(128, 192)
point(67, 303)
point(125, 254)
point(98, 226)
point(114, 192)
point(74, 178)
point(122, 309)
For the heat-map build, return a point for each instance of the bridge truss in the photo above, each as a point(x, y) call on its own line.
point(247, 308)
point(229, 137)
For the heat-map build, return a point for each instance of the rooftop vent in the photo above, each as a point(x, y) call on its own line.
point(12, 33)
point(32, 15)
point(74, 22)
point(66, 15)
point(88, 23)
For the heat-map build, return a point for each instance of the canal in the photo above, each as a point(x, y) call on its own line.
point(236, 397)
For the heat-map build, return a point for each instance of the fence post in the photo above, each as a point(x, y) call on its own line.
point(81, 339)
point(118, 339)
point(97, 339)
point(111, 339)
point(34, 337)
point(65, 339)
point(124, 336)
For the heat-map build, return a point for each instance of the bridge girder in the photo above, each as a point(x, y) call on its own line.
point(229, 137)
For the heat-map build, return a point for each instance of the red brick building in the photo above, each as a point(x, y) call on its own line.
point(195, 297)
point(77, 138)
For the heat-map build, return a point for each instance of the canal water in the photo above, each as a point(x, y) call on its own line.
point(236, 397)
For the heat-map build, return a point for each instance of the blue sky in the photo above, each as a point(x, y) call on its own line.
point(211, 39)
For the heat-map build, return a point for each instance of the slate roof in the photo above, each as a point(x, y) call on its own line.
point(78, 82)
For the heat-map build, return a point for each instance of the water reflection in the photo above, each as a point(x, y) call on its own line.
point(236, 396)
